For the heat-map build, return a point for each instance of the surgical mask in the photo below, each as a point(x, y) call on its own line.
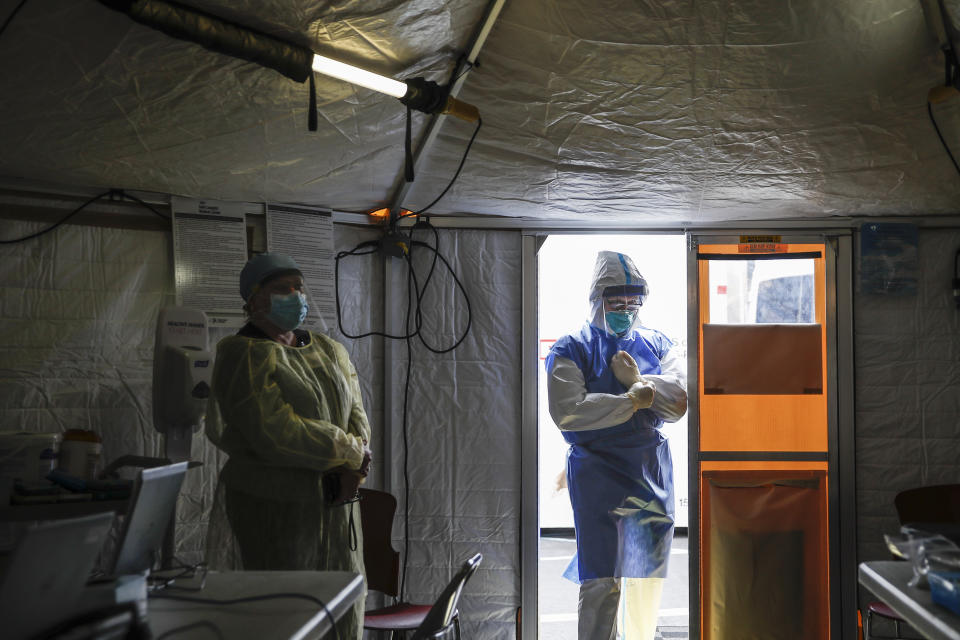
point(287, 311)
point(619, 321)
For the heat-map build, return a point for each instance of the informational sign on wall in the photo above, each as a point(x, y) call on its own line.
point(306, 235)
point(209, 250)
point(888, 258)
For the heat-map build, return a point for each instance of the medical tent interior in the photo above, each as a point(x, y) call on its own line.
point(817, 130)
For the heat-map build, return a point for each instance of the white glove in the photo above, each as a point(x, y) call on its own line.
point(639, 390)
point(625, 369)
point(641, 394)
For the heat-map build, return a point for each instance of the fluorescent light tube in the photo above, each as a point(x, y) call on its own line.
point(355, 75)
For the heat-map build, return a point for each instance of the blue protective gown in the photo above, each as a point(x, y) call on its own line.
point(619, 470)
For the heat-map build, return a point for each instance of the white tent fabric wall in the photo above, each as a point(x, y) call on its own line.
point(908, 391)
point(361, 292)
point(79, 314)
point(464, 430)
point(79, 311)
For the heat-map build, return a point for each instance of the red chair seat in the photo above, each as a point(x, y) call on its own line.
point(397, 617)
point(882, 609)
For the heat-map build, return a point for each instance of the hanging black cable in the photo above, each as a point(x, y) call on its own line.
point(436, 244)
point(10, 17)
point(414, 316)
point(452, 180)
point(112, 193)
point(466, 299)
point(406, 442)
point(370, 247)
point(940, 135)
point(124, 194)
point(956, 278)
point(60, 221)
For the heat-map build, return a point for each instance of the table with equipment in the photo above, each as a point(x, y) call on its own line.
point(888, 581)
point(284, 614)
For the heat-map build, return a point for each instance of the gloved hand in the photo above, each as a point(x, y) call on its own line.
point(641, 394)
point(350, 482)
point(625, 369)
point(367, 459)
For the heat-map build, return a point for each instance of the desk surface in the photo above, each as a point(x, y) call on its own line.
point(286, 618)
point(888, 581)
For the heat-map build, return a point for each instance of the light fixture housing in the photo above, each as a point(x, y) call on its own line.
point(294, 61)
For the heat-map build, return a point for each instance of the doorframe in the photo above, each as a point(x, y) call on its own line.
point(841, 478)
point(531, 241)
point(529, 442)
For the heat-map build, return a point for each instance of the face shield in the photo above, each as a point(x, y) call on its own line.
point(617, 288)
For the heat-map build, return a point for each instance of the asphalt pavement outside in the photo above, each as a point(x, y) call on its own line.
point(558, 596)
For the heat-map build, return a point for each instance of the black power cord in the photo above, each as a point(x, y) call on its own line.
point(940, 135)
point(6, 22)
point(60, 221)
point(112, 193)
point(956, 278)
point(456, 175)
point(371, 247)
point(414, 314)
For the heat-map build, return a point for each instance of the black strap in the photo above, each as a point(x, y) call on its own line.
point(312, 116)
point(353, 531)
point(408, 154)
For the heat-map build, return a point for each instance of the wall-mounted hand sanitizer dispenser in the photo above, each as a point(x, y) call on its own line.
point(182, 367)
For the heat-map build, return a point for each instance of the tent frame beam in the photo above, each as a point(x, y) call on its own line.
point(400, 186)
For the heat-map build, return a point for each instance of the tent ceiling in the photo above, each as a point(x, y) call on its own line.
point(643, 111)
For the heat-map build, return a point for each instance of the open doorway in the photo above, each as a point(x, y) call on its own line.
point(565, 269)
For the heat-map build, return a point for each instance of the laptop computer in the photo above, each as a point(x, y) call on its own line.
point(153, 502)
point(47, 571)
point(152, 506)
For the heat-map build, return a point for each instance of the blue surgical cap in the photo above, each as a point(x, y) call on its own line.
point(262, 267)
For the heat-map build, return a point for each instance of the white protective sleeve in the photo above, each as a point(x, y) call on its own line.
point(573, 409)
point(670, 399)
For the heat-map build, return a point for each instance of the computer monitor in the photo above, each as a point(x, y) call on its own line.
point(48, 569)
point(152, 506)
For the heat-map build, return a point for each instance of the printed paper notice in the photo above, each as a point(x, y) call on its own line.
point(209, 250)
point(306, 235)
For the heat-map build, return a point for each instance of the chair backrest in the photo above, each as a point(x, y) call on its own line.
point(441, 613)
point(381, 562)
point(934, 504)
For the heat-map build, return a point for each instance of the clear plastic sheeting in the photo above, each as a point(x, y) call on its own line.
point(645, 112)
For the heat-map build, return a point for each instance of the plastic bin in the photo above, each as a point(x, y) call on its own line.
point(945, 589)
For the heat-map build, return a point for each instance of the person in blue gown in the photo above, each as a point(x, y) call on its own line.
point(611, 386)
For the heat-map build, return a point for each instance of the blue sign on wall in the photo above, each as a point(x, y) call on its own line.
point(888, 258)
